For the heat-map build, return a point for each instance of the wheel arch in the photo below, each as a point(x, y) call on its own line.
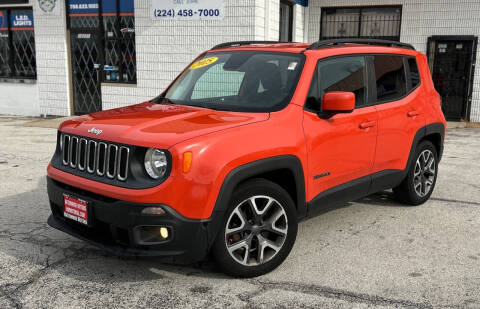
point(435, 133)
point(274, 169)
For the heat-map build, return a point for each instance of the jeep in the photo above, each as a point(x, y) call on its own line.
point(250, 139)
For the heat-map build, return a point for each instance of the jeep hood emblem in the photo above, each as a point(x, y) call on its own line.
point(95, 131)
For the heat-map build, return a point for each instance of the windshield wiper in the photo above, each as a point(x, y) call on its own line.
point(207, 106)
point(164, 100)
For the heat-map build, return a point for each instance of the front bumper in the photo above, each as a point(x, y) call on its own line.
point(113, 224)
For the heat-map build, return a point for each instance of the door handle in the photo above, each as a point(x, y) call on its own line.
point(413, 114)
point(367, 124)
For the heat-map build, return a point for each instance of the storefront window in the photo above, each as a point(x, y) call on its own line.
point(119, 28)
point(372, 22)
point(17, 44)
point(115, 28)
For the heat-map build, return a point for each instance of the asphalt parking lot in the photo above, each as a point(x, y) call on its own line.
point(370, 253)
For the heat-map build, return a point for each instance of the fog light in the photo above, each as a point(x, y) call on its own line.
point(164, 232)
point(153, 211)
point(150, 235)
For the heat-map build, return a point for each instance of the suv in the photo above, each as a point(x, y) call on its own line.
point(249, 139)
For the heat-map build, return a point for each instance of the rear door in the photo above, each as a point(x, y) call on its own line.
point(341, 149)
point(400, 109)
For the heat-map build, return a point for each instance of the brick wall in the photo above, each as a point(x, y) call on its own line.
point(420, 20)
point(51, 52)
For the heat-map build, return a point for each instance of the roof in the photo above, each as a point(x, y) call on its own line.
point(320, 45)
point(263, 46)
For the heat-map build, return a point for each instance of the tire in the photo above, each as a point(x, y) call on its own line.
point(269, 230)
point(420, 181)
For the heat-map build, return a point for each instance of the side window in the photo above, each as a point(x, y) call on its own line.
point(343, 74)
point(313, 91)
point(414, 74)
point(313, 97)
point(390, 77)
point(207, 85)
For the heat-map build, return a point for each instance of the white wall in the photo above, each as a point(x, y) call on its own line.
point(420, 20)
point(298, 23)
point(19, 99)
point(52, 65)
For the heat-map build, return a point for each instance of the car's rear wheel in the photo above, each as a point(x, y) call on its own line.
point(417, 187)
point(258, 230)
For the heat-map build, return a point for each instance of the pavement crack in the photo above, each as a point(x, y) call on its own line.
point(328, 292)
point(455, 201)
point(365, 228)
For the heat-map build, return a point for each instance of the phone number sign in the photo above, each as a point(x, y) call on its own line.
point(187, 9)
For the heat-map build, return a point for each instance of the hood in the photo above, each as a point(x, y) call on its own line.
point(156, 125)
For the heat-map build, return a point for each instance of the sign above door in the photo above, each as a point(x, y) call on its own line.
point(187, 9)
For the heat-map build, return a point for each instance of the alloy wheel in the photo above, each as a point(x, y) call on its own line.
point(256, 230)
point(424, 174)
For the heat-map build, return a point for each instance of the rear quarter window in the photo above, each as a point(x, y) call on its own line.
point(414, 75)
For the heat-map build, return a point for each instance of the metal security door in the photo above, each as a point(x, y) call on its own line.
point(86, 73)
point(452, 63)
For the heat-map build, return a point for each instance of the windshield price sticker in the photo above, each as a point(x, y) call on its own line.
point(203, 63)
point(187, 9)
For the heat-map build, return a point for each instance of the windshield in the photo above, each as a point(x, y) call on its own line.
point(246, 81)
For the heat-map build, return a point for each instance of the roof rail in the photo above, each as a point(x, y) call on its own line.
point(240, 43)
point(334, 42)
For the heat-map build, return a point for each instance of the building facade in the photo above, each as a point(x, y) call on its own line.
point(69, 57)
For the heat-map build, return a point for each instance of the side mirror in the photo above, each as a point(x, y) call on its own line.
point(336, 102)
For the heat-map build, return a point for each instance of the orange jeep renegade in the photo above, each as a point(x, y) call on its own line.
point(249, 139)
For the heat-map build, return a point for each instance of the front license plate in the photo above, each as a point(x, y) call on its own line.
point(75, 209)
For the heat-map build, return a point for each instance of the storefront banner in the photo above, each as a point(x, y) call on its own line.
point(125, 6)
point(82, 6)
point(48, 7)
point(187, 9)
point(21, 21)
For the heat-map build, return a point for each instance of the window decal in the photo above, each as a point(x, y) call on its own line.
point(203, 63)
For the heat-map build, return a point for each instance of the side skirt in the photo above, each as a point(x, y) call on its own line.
point(354, 190)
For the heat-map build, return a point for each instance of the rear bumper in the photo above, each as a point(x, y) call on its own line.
point(113, 226)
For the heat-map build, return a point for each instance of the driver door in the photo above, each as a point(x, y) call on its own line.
point(341, 149)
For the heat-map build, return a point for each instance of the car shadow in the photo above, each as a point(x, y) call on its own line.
point(383, 198)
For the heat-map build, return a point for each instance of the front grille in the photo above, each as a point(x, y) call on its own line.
point(100, 158)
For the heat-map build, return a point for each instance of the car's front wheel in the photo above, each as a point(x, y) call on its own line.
point(258, 231)
point(417, 187)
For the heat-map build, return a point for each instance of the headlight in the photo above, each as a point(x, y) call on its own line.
point(156, 163)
